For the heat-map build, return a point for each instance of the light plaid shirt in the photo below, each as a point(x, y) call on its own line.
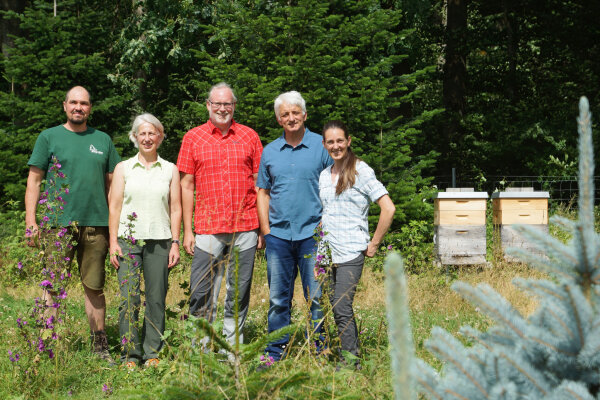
point(345, 216)
point(223, 168)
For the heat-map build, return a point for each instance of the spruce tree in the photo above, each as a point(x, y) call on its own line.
point(553, 353)
point(52, 54)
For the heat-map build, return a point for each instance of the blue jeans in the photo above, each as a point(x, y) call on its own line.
point(285, 258)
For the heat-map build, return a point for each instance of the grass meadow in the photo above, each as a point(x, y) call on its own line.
point(186, 372)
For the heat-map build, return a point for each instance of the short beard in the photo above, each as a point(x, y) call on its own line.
point(77, 122)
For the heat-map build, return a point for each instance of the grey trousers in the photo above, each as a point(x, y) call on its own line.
point(153, 259)
point(343, 281)
point(205, 283)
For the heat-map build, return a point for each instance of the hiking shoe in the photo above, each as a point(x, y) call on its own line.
point(130, 365)
point(151, 362)
point(100, 347)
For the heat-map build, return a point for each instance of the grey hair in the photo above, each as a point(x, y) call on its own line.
point(221, 85)
point(293, 98)
point(146, 118)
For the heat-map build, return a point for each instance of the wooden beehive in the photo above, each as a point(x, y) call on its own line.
point(459, 226)
point(521, 206)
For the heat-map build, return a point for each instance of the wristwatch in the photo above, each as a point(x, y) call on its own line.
point(175, 241)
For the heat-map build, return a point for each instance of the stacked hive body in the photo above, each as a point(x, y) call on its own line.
point(459, 226)
point(520, 206)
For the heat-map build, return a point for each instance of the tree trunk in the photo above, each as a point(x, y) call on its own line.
point(455, 67)
point(10, 26)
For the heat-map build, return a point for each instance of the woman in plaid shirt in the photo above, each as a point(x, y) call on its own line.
point(346, 189)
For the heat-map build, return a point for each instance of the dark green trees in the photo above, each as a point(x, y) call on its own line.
point(50, 55)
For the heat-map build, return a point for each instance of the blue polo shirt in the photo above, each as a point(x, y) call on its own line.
point(292, 176)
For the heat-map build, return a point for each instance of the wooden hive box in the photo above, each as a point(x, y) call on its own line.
point(521, 206)
point(459, 227)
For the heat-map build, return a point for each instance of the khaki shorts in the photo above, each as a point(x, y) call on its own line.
point(91, 248)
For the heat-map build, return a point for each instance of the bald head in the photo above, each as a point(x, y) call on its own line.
point(79, 90)
point(77, 107)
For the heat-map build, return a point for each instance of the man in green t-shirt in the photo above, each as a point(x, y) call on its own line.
point(87, 157)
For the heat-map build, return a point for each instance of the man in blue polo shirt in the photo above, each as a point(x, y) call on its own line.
point(289, 209)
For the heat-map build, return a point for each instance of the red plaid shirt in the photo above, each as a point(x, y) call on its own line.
point(223, 168)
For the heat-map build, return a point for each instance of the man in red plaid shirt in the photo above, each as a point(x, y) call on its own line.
point(220, 160)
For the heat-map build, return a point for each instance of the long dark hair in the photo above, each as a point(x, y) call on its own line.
point(348, 171)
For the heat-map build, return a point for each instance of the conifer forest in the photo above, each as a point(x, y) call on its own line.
point(432, 91)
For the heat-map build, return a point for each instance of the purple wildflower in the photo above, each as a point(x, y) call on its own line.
point(60, 174)
point(42, 201)
point(133, 215)
point(41, 346)
point(46, 284)
point(13, 357)
point(390, 247)
point(46, 218)
point(28, 232)
point(62, 294)
point(67, 259)
point(20, 265)
point(321, 233)
point(124, 340)
point(50, 354)
point(67, 190)
point(321, 271)
point(106, 389)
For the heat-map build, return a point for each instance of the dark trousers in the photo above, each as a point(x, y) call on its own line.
point(153, 259)
point(344, 279)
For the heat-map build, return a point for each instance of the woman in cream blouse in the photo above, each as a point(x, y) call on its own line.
point(147, 188)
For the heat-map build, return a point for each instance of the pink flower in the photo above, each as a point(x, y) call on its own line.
point(390, 247)
point(20, 265)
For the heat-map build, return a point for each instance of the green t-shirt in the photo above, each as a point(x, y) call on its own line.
point(85, 158)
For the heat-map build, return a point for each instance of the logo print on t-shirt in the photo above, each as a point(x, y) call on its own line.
point(94, 150)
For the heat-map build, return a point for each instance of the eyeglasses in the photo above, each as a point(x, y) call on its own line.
point(216, 106)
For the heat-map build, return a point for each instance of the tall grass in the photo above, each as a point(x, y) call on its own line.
point(80, 375)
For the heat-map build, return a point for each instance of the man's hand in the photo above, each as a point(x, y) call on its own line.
point(115, 252)
point(32, 235)
point(189, 242)
point(261, 241)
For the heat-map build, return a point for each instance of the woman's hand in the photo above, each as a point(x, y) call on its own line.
point(174, 255)
point(115, 252)
point(371, 250)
